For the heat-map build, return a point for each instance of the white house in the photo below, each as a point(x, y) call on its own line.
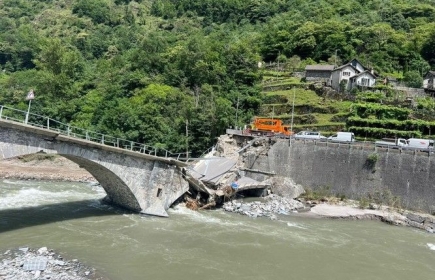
point(364, 79)
point(429, 81)
point(351, 75)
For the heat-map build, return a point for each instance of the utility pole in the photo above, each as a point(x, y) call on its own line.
point(187, 139)
point(273, 111)
point(237, 111)
point(291, 123)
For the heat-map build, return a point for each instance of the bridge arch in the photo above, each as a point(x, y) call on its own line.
point(139, 182)
point(118, 192)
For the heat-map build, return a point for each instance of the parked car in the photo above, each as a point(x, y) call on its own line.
point(342, 137)
point(315, 135)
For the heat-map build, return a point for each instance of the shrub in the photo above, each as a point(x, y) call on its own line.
point(413, 79)
point(320, 193)
point(371, 161)
point(373, 158)
point(385, 197)
point(363, 203)
point(37, 157)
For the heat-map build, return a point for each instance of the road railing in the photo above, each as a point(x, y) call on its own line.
point(44, 122)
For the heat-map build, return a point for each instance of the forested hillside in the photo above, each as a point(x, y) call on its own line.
point(145, 70)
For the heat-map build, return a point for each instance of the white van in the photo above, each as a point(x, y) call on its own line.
point(420, 143)
point(342, 137)
point(315, 135)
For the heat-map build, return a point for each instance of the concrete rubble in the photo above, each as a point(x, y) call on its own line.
point(26, 263)
point(225, 165)
point(271, 206)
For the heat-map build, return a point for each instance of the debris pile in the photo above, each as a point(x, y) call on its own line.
point(269, 207)
point(220, 177)
point(25, 263)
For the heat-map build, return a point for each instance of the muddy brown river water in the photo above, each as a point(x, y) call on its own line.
point(69, 218)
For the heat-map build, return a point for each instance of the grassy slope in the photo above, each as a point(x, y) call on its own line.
point(311, 111)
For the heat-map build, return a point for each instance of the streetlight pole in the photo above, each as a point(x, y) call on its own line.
point(30, 97)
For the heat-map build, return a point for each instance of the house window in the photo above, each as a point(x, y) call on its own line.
point(346, 73)
point(364, 81)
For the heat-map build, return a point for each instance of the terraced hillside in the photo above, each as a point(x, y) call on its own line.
point(370, 115)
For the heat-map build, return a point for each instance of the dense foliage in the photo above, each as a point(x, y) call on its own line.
point(176, 73)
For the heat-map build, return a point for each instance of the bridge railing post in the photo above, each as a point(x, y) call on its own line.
point(102, 139)
point(131, 145)
point(1, 111)
point(87, 135)
point(48, 123)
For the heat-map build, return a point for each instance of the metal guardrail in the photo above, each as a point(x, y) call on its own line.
point(366, 144)
point(44, 122)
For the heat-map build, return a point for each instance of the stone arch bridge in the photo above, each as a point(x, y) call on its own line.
point(139, 182)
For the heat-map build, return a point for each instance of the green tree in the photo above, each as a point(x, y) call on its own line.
point(97, 10)
point(427, 51)
point(413, 79)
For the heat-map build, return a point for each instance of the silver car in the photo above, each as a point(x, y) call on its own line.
point(315, 135)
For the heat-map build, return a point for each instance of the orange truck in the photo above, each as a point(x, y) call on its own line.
point(265, 126)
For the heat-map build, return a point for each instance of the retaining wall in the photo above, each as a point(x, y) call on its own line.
point(345, 170)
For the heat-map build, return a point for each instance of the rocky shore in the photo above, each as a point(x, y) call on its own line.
point(26, 263)
point(274, 205)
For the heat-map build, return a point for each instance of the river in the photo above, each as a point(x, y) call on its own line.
point(69, 218)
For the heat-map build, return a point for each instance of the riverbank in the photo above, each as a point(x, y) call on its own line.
point(274, 205)
point(43, 167)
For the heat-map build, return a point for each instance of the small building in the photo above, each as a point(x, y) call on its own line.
point(429, 81)
point(319, 73)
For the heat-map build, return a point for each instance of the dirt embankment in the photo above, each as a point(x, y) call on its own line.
point(43, 167)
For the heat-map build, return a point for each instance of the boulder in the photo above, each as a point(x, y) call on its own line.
point(285, 187)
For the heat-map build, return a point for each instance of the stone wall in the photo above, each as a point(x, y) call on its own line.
point(346, 170)
point(318, 75)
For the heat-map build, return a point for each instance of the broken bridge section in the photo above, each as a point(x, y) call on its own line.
point(216, 171)
point(139, 182)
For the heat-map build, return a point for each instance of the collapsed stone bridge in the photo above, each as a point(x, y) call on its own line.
point(139, 182)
